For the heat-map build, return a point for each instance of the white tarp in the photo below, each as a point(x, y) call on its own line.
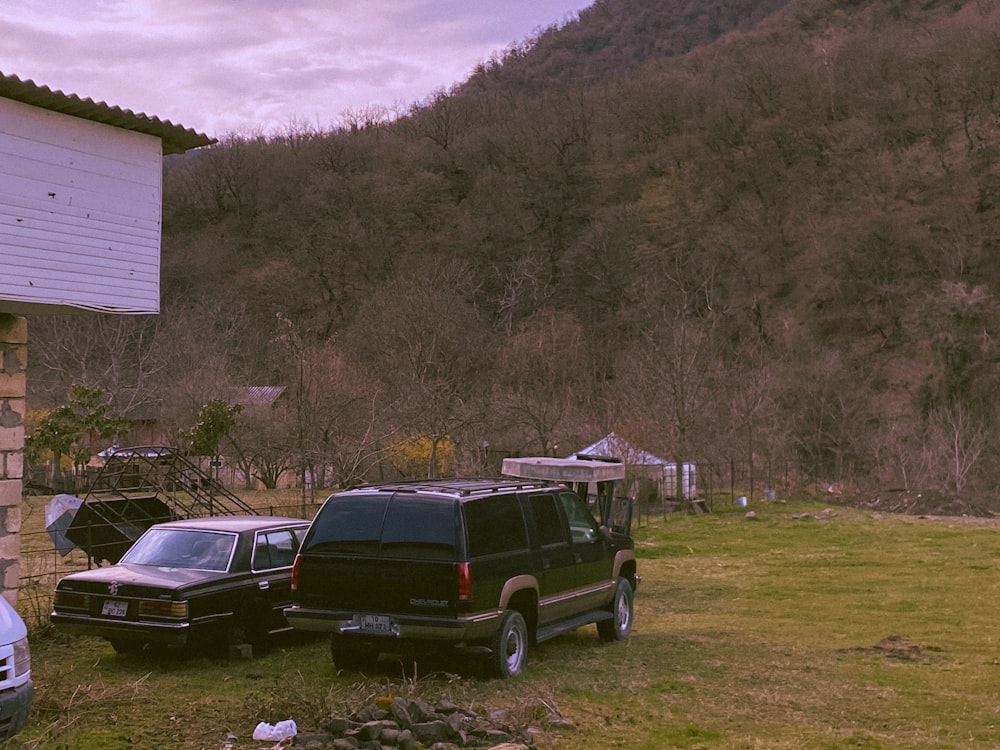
point(59, 513)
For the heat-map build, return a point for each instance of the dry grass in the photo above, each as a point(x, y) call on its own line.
point(798, 628)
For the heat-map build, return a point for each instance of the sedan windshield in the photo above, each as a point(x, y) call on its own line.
point(182, 548)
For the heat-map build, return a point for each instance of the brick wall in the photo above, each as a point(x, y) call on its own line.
point(13, 364)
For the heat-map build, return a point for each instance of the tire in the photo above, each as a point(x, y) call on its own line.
point(127, 645)
point(509, 649)
point(619, 627)
point(248, 626)
point(352, 655)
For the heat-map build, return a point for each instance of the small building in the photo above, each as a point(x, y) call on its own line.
point(148, 427)
point(646, 475)
point(80, 215)
point(81, 188)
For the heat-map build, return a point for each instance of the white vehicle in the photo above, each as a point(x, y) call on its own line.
point(16, 688)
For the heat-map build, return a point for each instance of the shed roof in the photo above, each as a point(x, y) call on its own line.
point(176, 139)
point(618, 447)
point(257, 395)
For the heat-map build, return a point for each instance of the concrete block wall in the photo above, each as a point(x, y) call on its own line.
point(13, 366)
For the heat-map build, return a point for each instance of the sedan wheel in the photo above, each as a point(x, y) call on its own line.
point(127, 645)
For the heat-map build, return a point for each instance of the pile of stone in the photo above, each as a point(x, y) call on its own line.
point(412, 724)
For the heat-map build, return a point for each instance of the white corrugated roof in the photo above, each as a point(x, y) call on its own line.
point(176, 138)
point(617, 447)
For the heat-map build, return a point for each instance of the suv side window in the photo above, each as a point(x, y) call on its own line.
point(582, 526)
point(548, 522)
point(494, 525)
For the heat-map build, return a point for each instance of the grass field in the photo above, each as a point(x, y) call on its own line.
point(803, 627)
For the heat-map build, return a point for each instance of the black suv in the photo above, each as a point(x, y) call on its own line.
point(487, 566)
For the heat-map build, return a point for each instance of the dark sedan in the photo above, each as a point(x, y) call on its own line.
point(202, 581)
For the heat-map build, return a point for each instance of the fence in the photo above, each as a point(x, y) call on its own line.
point(719, 485)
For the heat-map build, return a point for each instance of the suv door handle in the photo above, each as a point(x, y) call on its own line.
point(263, 585)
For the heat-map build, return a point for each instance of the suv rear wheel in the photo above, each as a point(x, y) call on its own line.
point(350, 654)
point(510, 646)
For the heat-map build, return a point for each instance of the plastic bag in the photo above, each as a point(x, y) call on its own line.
point(280, 731)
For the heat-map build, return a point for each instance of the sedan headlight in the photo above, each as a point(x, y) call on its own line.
point(22, 657)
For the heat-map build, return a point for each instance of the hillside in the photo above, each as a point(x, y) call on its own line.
point(724, 230)
point(612, 39)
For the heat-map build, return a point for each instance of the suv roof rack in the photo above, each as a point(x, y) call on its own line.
point(456, 487)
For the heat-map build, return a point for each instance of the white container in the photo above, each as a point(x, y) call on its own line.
point(741, 501)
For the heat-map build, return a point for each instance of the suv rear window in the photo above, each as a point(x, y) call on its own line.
point(419, 529)
point(348, 525)
point(385, 525)
point(494, 525)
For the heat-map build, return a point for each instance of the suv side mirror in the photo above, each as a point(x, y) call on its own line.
point(605, 532)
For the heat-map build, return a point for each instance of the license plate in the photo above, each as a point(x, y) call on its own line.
point(114, 608)
point(377, 624)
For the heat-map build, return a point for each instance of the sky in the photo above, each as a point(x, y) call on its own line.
point(244, 67)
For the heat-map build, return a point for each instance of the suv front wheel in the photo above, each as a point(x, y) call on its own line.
point(510, 646)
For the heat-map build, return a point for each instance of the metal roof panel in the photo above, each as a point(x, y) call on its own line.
point(176, 139)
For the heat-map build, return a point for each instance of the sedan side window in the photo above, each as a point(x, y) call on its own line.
point(582, 526)
point(274, 549)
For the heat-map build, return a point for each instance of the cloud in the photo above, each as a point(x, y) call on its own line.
point(222, 66)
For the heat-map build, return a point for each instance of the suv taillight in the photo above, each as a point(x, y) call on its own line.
point(295, 573)
point(464, 582)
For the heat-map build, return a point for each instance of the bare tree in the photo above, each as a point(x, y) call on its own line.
point(542, 375)
point(955, 441)
point(425, 338)
point(328, 418)
point(119, 354)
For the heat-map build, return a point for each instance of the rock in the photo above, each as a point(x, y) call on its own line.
point(446, 727)
point(559, 722)
point(337, 725)
point(241, 651)
point(406, 741)
point(420, 710)
point(432, 731)
point(373, 730)
point(494, 736)
point(401, 713)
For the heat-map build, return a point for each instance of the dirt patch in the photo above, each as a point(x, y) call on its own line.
point(894, 647)
point(921, 503)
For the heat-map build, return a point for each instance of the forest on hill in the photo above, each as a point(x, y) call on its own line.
point(725, 231)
